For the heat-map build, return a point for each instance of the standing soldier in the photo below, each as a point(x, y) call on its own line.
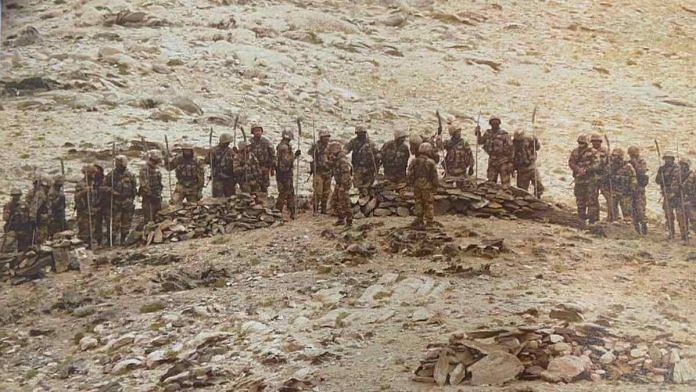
point(190, 175)
point(17, 230)
point(395, 155)
point(524, 161)
point(680, 197)
point(602, 173)
point(248, 170)
point(123, 194)
point(365, 160)
point(56, 206)
point(221, 160)
point(342, 174)
point(284, 173)
point(86, 204)
point(497, 144)
point(639, 201)
point(39, 212)
point(624, 184)
point(321, 171)
point(150, 180)
point(667, 178)
point(422, 176)
point(584, 163)
point(459, 160)
point(265, 154)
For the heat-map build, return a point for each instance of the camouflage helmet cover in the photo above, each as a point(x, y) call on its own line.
point(684, 161)
point(15, 192)
point(400, 133)
point(226, 138)
point(668, 155)
point(287, 134)
point(582, 139)
point(519, 135)
point(122, 159)
point(360, 129)
point(324, 132)
point(494, 118)
point(633, 151)
point(454, 129)
point(425, 148)
point(618, 153)
point(334, 148)
point(415, 139)
point(596, 138)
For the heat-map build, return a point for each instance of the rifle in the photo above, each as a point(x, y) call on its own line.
point(439, 133)
point(62, 167)
point(169, 174)
point(478, 124)
point(212, 157)
point(111, 202)
point(534, 140)
point(612, 211)
point(685, 214)
point(234, 131)
point(297, 169)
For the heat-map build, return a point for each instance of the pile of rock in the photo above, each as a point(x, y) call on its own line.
point(553, 353)
point(209, 217)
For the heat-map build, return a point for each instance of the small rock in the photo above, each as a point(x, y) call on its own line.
point(421, 314)
point(125, 366)
point(561, 347)
point(330, 296)
point(567, 368)
point(373, 294)
point(120, 342)
point(255, 327)
point(637, 353)
point(88, 343)
point(496, 368)
point(555, 338)
point(334, 319)
point(186, 105)
point(684, 371)
point(607, 358)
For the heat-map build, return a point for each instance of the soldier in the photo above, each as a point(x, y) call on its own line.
point(17, 226)
point(584, 163)
point(248, 170)
point(190, 175)
point(639, 201)
point(39, 212)
point(414, 142)
point(56, 206)
point(150, 180)
point(365, 160)
point(680, 197)
point(265, 154)
point(221, 160)
point(524, 158)
point(459, 160)
point(123, 193)
point(395, 155)
point(690, 197)
point(422, 176)
point(497, 144)
point(602, 174)
point(86, 204)
point(284, 173)
point(342, 174)
point(321, 171)
point(624, 184)
point(668, 178)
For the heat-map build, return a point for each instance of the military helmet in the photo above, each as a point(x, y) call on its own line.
point(324, 132)
point(287, 134)
point(582, 139)
point(122, 159)
point(595, 138)
point(519, 135)
point(225, 138)
point(668, 155)
point(684, 161)
point(415, 139)
point(58, 180)
point(88, 169)
point(494, 118)
point(334, 148)
point(400, 133)
point(255, 124)
point(633, 151)
point(425, 148)
point(242, 145)
point(454, 129)
point(360, 129)
point(15, 192)
point(154, 155)
point(619, 153)
point(185, 146)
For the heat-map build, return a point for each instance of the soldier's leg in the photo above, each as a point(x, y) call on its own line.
point(626, 207)
point(280, 201)
point(317, 192)
point(83, 227)
point(580, 201)
point(428, 206)
point(325, 192)
point(538, 185)
point(218, 188)
point(523, 179)
point(682, 221)
point(669, 217)
point(419, 207)
point(592, 198)
point(23, 240)
point(9, 242)
point(194, 195)
point(492, 173)
point(505, 172)
point(179, 195)
point(228, 187)
point(358, 180)
point(291, 198)
point(126, 221)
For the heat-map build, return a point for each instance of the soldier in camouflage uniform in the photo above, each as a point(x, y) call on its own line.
point(265, 154)
point(124, 190)
point(86, 205)
point(602, 174)
point(150, 180)
point(395, 155)
point(39, 212)
point(365, 160)
point(414, 142)
point(248, 170)
point(284, 173)
point(680, 198)
point(639, 201)
point(690, 197)
point(342, 174)
point(459, 160)
point(190, 176)
point(498, 145)
point(624, 184)
point(422, 176)
point(56, 206)
point(221, 160)
point(668, 179)
point(321, 171)
point(584, 163)
point(17, 228)
point(524, 158)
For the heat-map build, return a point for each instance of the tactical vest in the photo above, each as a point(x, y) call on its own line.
point(342, 173)
point(286, 159)
point(524, 153)
point(621, 179)
point(641, 172)
point(395, 158)
point(18, 219)
point(363, 156)
point(458, 156)
point(223, 162)
point(124, 184)
point(321, 161)
point(153, 182)
point(187, 171)
point(421, 172)
point(263, 151)
point(497, 143)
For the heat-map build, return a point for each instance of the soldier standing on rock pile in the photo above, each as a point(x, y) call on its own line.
point(123, 193)
point(365, 160)
point(17, 230)
point(39, 212)
point(422, 176)
point(321, 171)
point(459, 160)
point(265, 154)
point(150, 180)
point(639, 201)
point(524, 161)
point(668, 179)
point(343, 176)
point(395, 155)
point(86, 205)
point(284, 173)
point(56, 206)
point(602, 173)
point(498, 145)
point(248, 170)
point(190, 175)
point(624, 184)
point(584, 163)
point(221, 160)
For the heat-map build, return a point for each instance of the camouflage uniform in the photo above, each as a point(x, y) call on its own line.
point(395, 155)
point(639, 199)
point(125, 188)
point(459, 160)
point(365, 160)
point(680, 197)
point(248, 171)
point(264, 152)
point(17, 236)
point(524, 158)
point(422, 176)
point(56, 206)
point(190, 177)
point(603, 173)
point(86, 206)
point(221, 160)
point(584, 162)
point(624, 184)
point(669, 189)
point(284, 174)
point(39, 210)
point(342, 174)
point(498, 145)
point(321, 170)
point(150, 180)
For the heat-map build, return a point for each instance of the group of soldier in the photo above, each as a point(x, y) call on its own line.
point(105, 204)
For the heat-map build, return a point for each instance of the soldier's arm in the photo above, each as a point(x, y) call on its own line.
point(409, 173)
point(432, 171)
point(537, 144)
point(6, 213)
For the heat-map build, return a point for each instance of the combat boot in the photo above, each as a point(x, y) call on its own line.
point(292, 213)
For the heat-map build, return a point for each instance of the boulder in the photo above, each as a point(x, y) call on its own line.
point(497, 368)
